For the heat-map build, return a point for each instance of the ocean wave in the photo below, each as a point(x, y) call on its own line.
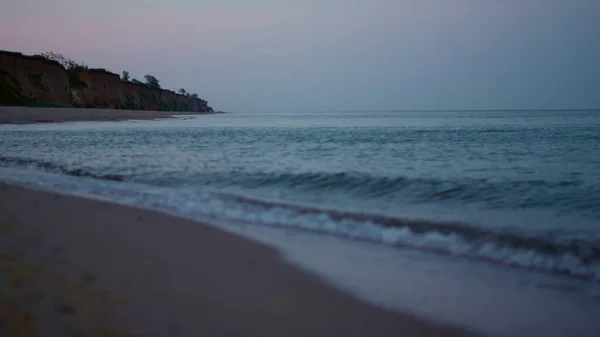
point(57, 168)
point(545, 252)
point(549, 252)
point(361, 184)
point(570, 196)
point(563, 197)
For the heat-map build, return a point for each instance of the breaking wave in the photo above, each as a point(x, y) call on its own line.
point(548, 253)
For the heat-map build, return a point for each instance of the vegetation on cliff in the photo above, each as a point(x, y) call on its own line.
point(153, 83)
point(185, 93)
point(73, 68)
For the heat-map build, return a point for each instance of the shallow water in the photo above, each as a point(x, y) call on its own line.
point(520, 188)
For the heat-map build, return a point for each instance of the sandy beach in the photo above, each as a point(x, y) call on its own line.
point(30, 115)
point(72, 264)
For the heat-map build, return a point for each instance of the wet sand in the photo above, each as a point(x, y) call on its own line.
point(75, 264)
point(30, 115)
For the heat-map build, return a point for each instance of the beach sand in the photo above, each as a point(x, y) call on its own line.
point(30, 115)
point(72, 264)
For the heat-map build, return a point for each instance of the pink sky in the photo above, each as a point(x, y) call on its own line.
point(337, 54)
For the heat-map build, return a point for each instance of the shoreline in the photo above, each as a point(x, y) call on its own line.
point(173, 276)
point(34, 115)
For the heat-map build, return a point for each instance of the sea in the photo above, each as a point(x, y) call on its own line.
point(514, 191)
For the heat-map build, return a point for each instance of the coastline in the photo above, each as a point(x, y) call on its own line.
point(32, 115)
point(153, 274)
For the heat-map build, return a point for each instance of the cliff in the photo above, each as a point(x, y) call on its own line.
point(26, 78)
point(35, 80)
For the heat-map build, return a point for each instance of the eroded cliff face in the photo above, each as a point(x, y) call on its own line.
point(102, 89)
point(25, 79)
point(32, 78)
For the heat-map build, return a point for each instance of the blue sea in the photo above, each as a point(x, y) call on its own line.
point(519, 189)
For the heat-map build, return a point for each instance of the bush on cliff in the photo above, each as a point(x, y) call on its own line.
point(183, 92)
point(74, 80)
point(130, 103)
point(125, 76)
point(152, 82)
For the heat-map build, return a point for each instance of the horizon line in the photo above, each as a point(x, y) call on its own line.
point(440, 110)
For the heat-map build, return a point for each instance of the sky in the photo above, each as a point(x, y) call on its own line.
point(331, 55)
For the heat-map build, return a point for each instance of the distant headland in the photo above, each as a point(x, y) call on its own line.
point(53, 80)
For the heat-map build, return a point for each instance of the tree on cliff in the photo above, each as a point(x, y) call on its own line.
point(125, 76)
point(187, 94)
point(152, 82)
